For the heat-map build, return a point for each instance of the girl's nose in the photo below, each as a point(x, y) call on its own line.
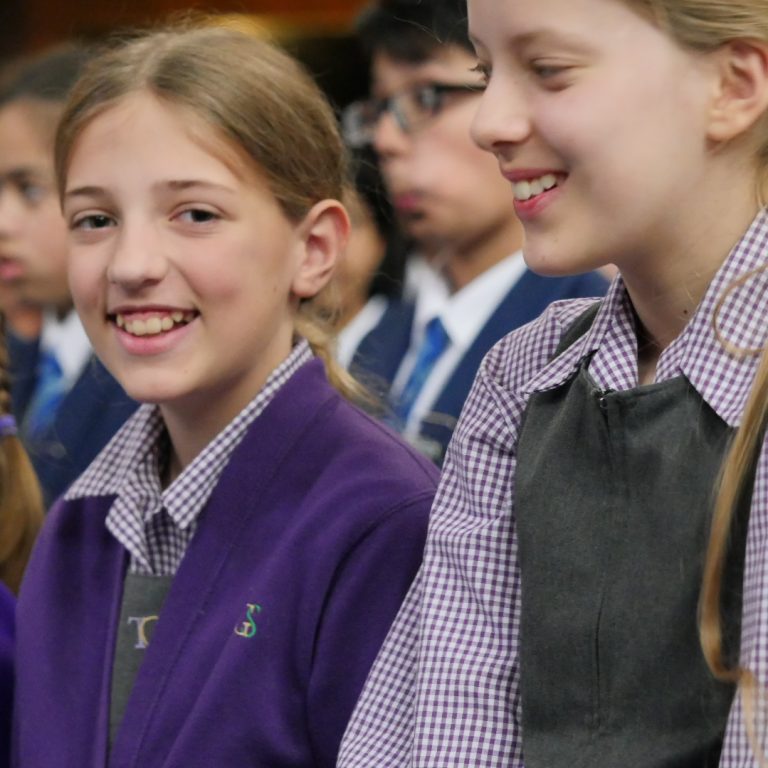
point(502, 118)
point(137, 259)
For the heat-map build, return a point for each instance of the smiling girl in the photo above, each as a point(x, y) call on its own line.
point(213, 589)
point(554, 622)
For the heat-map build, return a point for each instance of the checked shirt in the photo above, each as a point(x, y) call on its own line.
point(444, 691)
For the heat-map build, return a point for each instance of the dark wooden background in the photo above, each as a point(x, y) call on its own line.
point(319, 32)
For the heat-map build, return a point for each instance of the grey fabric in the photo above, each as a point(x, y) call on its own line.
point(614, 500)
point(143, 598)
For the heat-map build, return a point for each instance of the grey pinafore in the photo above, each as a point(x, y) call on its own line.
point(613, 505)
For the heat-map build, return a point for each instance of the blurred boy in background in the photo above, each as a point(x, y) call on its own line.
point(471, 283)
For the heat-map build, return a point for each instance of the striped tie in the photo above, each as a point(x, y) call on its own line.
point(436, 340)
point(49, 391)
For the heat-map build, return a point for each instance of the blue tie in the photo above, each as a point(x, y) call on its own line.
point(49, 391)
point(436, 340)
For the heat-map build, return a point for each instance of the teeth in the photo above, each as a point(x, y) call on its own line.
point(153, 325)
point(525, 190)
point(137, 327)
point(522, 190)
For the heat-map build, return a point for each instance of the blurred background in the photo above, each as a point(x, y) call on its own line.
point(318, 32)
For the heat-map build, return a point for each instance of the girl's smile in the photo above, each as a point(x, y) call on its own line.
point(151, 331)
point(608, 163)
point(533, 189)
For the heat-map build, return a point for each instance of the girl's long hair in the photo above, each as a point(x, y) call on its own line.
point(737, 470)
point(21, 503)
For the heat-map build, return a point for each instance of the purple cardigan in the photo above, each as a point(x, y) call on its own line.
point(301, 559)
point(7, 604)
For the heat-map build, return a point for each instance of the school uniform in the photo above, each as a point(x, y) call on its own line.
point(349, 337)
point(7, 606)
point(554, 620)
point(276, 562)
point(93, 408)
point(503, 298)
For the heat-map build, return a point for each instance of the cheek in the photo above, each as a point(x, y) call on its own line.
point(86, 281)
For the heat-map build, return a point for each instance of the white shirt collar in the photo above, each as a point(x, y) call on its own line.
point(466, 312)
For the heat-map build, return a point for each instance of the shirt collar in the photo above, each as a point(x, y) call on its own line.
point(615, 309)
point(138, 442)
point(66, 338)
point(467, 311)
point(734, 309)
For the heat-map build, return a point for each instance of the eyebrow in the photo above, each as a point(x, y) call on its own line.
point(541, 34)
point(183, 184)
point(172, 184)
point(23, 173)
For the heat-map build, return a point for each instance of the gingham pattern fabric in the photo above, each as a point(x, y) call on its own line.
point(444, 691)
point(156, 526)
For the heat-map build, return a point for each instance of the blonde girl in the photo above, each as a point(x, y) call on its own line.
point(555, 620)
point(219, 580)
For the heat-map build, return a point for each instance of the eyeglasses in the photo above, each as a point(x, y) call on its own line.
point(411, 108)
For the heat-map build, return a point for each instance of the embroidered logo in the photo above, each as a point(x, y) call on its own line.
point(248, 627)
point(142, 624)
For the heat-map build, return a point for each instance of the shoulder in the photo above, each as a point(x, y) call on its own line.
point(325, 456)
point(494, 409)
point(369, 451)
point(360, 466)
point(512, 362)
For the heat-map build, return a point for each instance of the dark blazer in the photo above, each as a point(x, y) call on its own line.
point(380, 353)
point(313, 532)
point(93, 410)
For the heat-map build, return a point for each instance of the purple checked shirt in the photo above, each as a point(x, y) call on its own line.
point(444, 691)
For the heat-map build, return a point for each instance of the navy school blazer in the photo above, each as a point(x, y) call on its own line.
point(90, 414)
point(380, 353)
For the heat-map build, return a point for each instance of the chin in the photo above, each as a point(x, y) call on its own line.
point(143, 391)
point(547, 262)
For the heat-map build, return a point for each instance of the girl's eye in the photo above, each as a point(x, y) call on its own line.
point(547, 71)
point(32, 193)
point(198, 216)
point(93, 221)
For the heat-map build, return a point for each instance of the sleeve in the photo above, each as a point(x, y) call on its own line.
point(444, 690)
point(367, 591)
point(6, 672)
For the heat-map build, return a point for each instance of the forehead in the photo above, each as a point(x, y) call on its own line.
point(25, 137)
point(159, 135)
point(450, 63)
point(590, 23)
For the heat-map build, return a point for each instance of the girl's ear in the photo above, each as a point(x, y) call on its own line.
point(741, 97)
point(323, 236)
